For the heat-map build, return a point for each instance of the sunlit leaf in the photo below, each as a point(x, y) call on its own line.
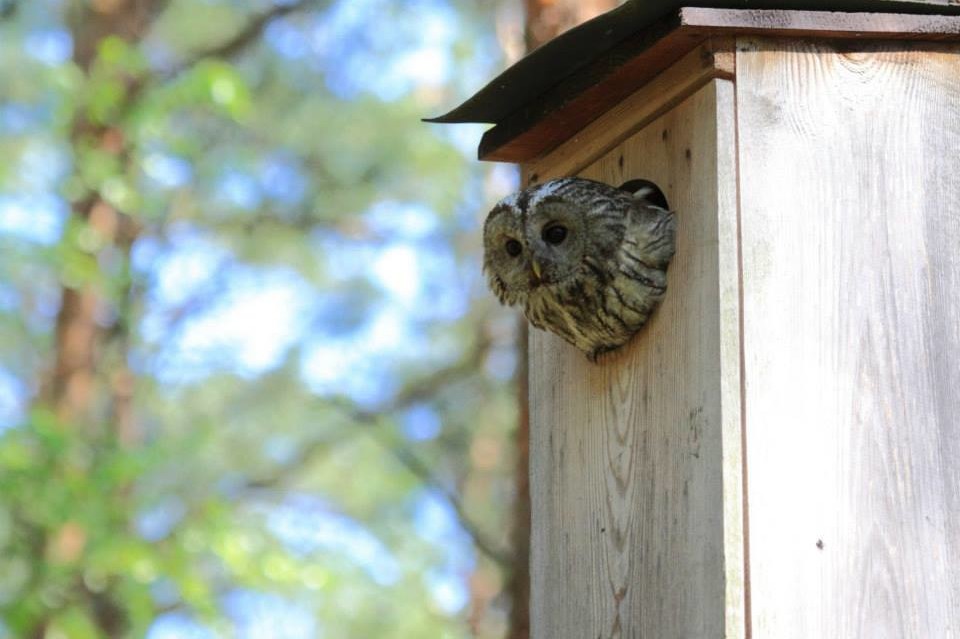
point(74, 623)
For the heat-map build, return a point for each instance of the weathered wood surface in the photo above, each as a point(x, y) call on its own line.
point(735, 538)
point(850, 204)
point(539, 127)
point(635, 463)
point(821, 24)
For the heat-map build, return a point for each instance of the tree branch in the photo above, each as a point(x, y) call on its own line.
point(241, 40)
point(425, 388)
point(428, 386)
point(419, 469)
point(8, 9)
point(231, 47)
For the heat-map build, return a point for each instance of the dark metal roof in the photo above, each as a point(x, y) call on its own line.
point(563, 56)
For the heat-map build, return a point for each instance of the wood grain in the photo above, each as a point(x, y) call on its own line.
point(535, 129)
point(850, 193)
point(821, 24)
point(635, 468)
point(735, 572)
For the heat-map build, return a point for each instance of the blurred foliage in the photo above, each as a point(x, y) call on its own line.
point(299, 411)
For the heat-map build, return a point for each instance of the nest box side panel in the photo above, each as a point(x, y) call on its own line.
point(850, 204)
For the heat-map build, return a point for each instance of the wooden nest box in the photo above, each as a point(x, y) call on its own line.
point(777, 454)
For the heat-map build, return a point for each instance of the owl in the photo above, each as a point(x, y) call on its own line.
point(583, 259)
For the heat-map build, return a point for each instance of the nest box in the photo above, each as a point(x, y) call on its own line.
point(777, 454)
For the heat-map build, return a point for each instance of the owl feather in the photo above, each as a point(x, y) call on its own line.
point(584, 260)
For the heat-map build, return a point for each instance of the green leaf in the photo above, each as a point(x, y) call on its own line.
point(74, 623)
point(104, 98)
point(116, 55)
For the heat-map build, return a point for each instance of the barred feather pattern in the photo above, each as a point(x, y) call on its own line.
point(596, 286)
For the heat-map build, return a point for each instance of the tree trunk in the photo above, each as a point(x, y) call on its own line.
point(75, 388)
point(545, 20)
point(71, 388)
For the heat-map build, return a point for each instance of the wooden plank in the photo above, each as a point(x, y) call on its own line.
point(731, 387)
point(634, 531)
point(540, 126)
point(822, 24)
point(636, 111)
point(850, 192)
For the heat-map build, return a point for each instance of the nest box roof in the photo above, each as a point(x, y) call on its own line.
point(533, 103)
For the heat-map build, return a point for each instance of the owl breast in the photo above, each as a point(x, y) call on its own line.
point(601, 309)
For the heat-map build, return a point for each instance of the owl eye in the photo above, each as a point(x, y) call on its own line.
point(514, 248)
point(554, 234)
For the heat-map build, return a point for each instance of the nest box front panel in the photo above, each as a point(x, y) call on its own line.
point(627, 455)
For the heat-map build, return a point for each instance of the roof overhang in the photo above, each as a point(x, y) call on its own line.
point(562, 86)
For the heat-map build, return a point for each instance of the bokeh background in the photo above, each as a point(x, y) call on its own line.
point(251, 384)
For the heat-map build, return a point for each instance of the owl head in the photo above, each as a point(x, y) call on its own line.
point(538, 238)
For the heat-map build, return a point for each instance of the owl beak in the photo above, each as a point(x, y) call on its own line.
point(535, 265)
